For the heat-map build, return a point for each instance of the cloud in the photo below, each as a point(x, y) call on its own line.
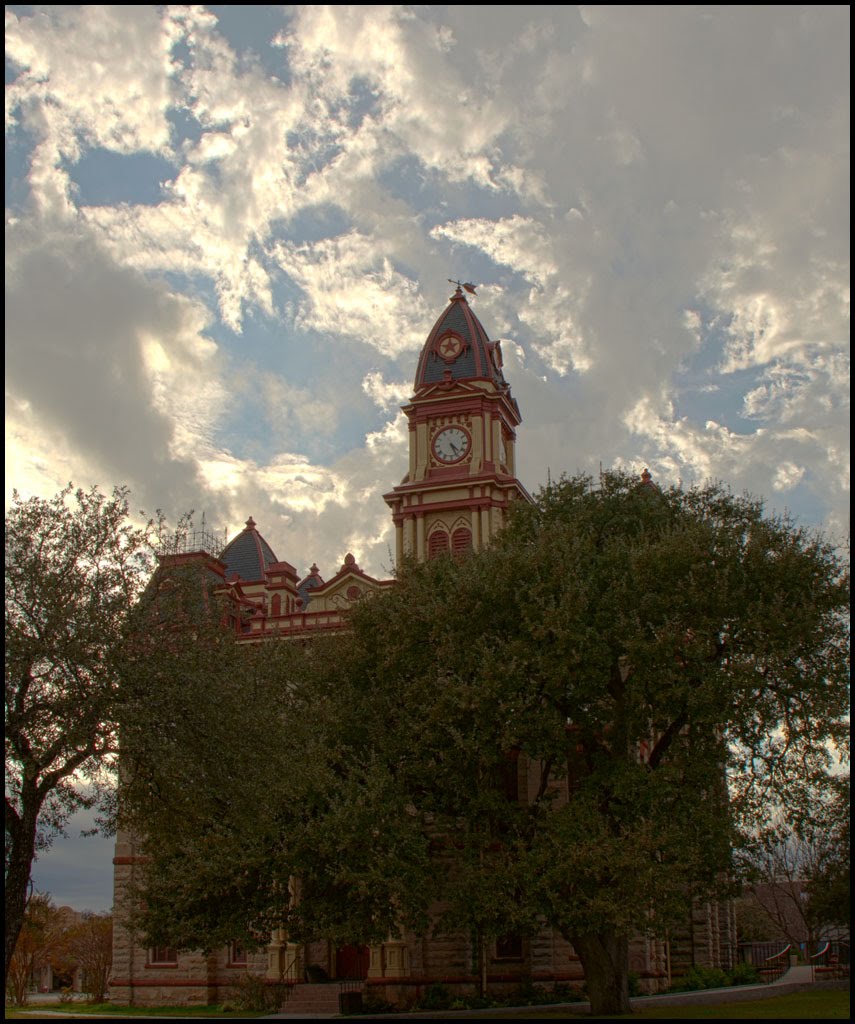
point(77, 329)
point(351, 289)
point(70, 53)
point(386, 396)
point(595, 168)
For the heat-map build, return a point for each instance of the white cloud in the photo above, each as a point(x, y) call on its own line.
point(351, 289)
point(68, 62)
point(384, 395)
point(639, 218)
point(787, 476)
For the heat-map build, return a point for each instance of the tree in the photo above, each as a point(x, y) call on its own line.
point(88, 945)
point(38, 942)
point(75, 565)
point(776, 904)
point(668, 664)
point(828, 885)
point(798, 870)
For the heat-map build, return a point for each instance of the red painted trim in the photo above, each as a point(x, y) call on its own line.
point(408, 511)
point(183, 983)
point(427, 487)
point(154, 982)
point(469, 401)
point(471, 979)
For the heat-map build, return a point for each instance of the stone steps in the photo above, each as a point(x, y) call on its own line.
point(309, 1000)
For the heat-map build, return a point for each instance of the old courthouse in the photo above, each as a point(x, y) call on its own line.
point(462, 476)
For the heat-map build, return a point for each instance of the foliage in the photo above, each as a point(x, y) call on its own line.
point(625, 649)
point(743, 974)
point(799, 873)
point(88, 944)
point(255, 994)
point(373, 1005)
point(37, 945)
point(697, 978)
point(828, 885)
point(74, 567)
point(435, 997)
point(65, 941)
point(207, 728)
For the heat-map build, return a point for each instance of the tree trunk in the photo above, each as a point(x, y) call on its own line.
point(21, 834)
point(605, 958)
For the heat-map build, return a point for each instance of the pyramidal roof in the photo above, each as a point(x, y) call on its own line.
point(458, 348)
point(248, 555)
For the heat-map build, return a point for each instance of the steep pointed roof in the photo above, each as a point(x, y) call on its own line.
point(310, 583)
point(248, 555)
point(458, 348)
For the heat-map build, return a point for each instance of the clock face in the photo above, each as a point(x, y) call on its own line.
point(451, 444)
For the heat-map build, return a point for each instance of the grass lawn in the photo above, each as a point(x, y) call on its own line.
point(812, 1005)
point(36, 1009)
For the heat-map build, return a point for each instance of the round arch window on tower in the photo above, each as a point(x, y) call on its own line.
point(437, 544)
point(461, 541)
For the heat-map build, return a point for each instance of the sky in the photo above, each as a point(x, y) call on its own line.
point(229, 231)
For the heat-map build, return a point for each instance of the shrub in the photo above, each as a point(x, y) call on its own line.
point(435, 997)
point(699, 978)
point(743, 974)
point(252, 992)
point(374, 1005)
point(566, 993)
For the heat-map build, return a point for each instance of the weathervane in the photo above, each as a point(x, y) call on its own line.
point(467, 286)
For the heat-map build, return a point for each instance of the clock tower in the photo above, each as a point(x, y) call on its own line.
point(463, 421)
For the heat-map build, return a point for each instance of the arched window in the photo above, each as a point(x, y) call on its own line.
point(276, 605)
point(437, 543)
point(461, 541)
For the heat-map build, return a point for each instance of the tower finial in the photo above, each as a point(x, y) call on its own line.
point(465, 285)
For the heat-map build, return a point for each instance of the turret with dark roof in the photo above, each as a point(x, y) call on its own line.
point(458, 349)
point(248, 555)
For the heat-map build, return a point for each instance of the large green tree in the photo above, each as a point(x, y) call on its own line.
point(669, 665)
point(75, 565)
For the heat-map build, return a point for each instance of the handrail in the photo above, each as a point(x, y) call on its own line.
point(290, 983)
point(832, 962)
point(777, 970)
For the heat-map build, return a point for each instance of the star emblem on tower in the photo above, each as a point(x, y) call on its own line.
point(449, 347)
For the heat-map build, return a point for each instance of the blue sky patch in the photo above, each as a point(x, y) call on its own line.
point(105, 178)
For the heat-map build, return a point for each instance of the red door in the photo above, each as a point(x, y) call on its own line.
point(352, 962)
